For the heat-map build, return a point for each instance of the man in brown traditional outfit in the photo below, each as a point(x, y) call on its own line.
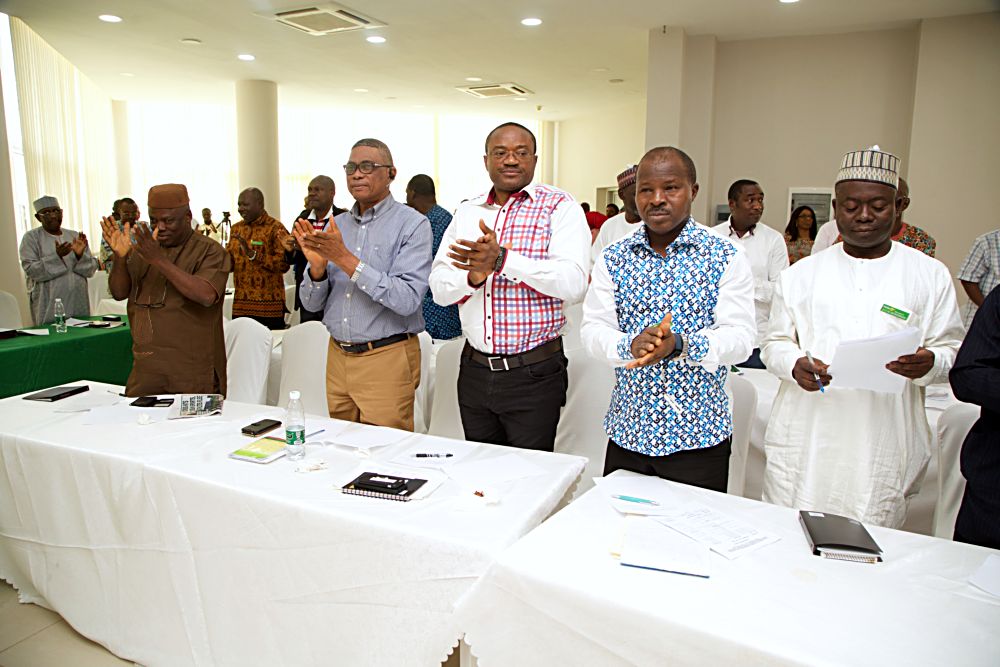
point(175, 281)
point(258, 252)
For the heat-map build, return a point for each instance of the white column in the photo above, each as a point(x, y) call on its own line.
point(119, 119)
point(257, 139)
point(11, 278)
point(664, 83)
point(698, 118)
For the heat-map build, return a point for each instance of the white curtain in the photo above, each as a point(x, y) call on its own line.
point(67, 133)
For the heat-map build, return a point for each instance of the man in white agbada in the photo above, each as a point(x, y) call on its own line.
point(853, 452)
point(57, 263)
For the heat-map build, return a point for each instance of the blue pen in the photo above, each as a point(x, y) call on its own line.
point(633, 499)
point(815, 375)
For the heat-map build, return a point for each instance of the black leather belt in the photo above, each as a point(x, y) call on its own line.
point(510, 362)
point(357, 348)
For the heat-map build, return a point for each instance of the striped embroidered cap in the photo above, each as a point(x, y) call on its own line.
point(870, 164)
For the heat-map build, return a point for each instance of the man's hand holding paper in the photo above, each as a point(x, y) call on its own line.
point(882, 363)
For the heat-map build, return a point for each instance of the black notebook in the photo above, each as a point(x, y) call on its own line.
point(833, 536)
point(378, 485)
point(57, 393)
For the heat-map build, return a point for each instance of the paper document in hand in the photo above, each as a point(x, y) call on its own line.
point(652, 546)
point(860, 364)
point(722, 534)
point(638, 494)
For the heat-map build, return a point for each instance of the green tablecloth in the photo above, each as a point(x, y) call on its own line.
point(29, 363)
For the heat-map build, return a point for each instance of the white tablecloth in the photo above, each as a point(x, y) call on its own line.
point(558, 597)
point(920, 513)
point(150, 541)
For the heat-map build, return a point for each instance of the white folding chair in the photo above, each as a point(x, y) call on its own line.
point(581, 424)
point(10, 314)
point(248, 357)
point(303, 366)
point(952, 428)
point(422, 398)
point(446, 420)
point(743, 405)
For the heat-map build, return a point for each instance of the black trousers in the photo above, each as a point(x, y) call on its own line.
point(707, 468)
point(754, 361)
point(519, 407)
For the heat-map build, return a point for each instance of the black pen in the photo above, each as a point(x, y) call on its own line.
point(433, 456)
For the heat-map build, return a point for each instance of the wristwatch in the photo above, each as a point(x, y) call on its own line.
point(501, 257)
point(680, 347)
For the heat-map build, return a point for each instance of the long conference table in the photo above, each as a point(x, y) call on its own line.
point(149, 540)
point(559, 597)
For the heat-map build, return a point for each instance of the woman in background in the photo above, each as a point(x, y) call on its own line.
point(800, 233)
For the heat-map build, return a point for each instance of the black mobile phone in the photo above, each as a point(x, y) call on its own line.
point(152, 402)
point(261, 427)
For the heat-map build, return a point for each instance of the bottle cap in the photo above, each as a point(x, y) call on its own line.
point(294, 395)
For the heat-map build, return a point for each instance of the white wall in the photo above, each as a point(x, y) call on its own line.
point(955, 145)
point(787, 109)
point(594, 148)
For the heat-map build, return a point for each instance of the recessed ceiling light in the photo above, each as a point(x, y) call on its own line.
point(473, 79)
point(361, 90)
point(599, 69)
point(520, 99)
point(110, 18)
point(375, 39)
point(246, 57)
point(531, 21)
point(191, 40)
point(127, 74)
point(616, 80)
point(788, 2)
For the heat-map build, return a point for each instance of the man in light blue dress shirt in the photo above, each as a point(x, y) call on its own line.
point(368, 273)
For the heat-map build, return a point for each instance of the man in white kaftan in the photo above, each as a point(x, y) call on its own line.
point(853, 452)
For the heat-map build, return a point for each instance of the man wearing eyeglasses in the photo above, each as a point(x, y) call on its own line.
point(367, 273)
point(510, 259)
point(175, 281)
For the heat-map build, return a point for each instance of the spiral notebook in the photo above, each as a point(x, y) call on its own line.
point(379, 485)
point(838, 537)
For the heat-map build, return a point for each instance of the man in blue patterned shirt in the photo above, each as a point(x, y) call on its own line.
point(442, 321)
point(672, 306)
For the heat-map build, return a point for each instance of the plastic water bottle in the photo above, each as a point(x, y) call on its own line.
point(60, 313)
point(295, 428)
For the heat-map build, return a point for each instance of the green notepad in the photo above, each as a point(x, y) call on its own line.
point(263, 450)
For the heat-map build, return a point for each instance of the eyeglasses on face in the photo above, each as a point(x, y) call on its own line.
point(520, 154)
point(365, 167)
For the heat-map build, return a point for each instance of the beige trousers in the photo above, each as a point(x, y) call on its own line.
point(374, 387)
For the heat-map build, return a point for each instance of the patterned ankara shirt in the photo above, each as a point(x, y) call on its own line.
point(441, 321)
point(705, 283)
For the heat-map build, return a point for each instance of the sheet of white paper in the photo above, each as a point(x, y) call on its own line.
point(440, 447)
point(722, 534)
point(987, 577)
point(88, 401)
point(363, 436)
point(123, 413)
point(640, 488)
point(653, 546)
point(494, 470)
point(860, 364)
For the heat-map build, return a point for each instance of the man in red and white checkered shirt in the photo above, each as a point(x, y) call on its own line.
point(510, 259)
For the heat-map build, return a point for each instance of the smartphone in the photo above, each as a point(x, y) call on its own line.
point(152, 402)
point(261, 427)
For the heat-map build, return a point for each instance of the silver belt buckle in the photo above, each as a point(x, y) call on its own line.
point(505, 367)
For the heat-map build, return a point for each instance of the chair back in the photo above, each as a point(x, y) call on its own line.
point(303, 366)
point(248, 358)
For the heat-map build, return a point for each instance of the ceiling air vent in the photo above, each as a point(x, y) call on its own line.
point(496, 90)
point(325, 19)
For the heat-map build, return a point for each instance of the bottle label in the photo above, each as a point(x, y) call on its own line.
point(296, 437)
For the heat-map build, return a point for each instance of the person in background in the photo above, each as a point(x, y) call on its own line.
point(442, 322)
point(764, 247)
point(611, 210)
point(209, 228)
point(174, 281)
point(855, 452)
point(975, 378)
point(671, 306)
point(625, 222)
point(511, 277)
point(56, 263)
point(367, 273)
point(125, 211)
point(980, 272)
point(319, 211)
point(594, 220)
point(257, 248)
point(800, 233)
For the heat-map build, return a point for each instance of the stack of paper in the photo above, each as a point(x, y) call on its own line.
point(652, 546)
